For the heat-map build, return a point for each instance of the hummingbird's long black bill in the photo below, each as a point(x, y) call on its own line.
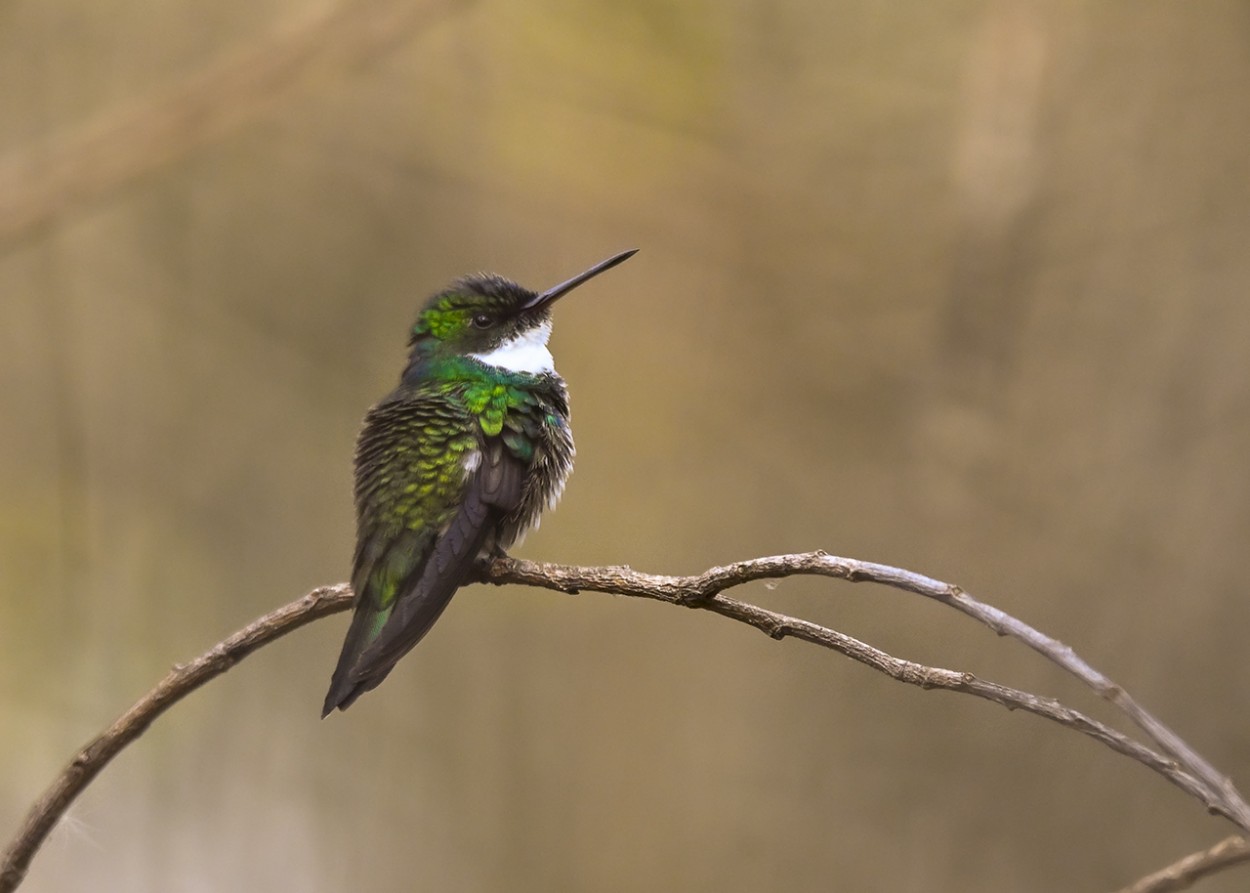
point(565, 287)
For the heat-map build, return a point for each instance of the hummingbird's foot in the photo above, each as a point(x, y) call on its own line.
point(483, 563)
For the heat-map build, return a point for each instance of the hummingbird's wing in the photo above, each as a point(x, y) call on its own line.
point(430, 489)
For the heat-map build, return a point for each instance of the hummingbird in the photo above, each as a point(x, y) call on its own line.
point(454, 465)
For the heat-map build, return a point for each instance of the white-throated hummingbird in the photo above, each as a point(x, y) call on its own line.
point(454, 465)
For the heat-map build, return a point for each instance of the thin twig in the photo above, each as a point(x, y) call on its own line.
point(1185, 768)
point(41, 183)
point(702, 591)
point(1182, 874)
point(181, 681)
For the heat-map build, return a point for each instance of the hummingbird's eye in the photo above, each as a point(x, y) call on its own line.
point(483, 321)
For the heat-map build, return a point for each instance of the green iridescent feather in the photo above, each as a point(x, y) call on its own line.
point(413, 478)
point(454, 465)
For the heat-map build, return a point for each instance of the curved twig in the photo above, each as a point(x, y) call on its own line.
point(181, 681)
point(1182, 874)
point(1185, 768)
point(703, 591)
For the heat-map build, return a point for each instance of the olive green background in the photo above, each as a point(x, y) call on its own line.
point(958, 286)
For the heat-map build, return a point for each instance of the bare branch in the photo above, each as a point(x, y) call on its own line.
point(1220, 786)
point(1185, 768)
point(1181, 875)
point(181, 681)
point(703, 591)
point(41, 184)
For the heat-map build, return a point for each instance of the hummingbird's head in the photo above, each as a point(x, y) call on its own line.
point(494, 320)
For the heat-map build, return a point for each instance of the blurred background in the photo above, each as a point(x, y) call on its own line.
point(958, 286)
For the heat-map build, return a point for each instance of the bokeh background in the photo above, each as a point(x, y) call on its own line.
point(958, 286)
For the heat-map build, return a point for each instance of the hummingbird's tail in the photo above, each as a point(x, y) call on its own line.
point(372, 648)
point(400, 602)
point(366, 624)
point(403, 584)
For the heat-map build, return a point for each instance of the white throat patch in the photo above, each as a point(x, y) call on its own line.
point(525, 353)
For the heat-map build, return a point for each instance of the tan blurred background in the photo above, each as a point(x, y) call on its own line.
point(958, 286)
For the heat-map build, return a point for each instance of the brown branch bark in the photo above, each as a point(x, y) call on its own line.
point(1182, 875)
point(181, 681)
point(43, 183)
point(1185, 768)
point(705, 592)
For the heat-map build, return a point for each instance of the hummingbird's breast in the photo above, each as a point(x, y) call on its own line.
point(535, 431)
